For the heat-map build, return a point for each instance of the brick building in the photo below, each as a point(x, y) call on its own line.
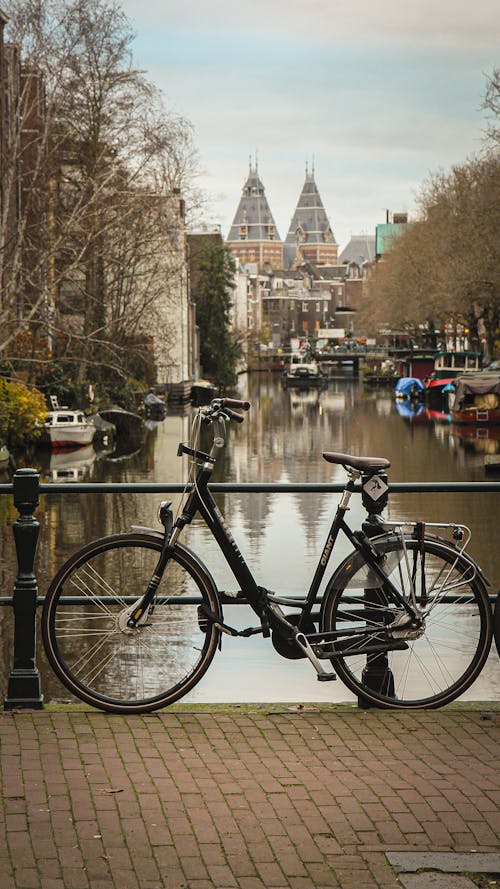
point(310, 237)
point(253, 236)
point(301, 285)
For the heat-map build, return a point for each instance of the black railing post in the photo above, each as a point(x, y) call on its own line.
point(375, 494)
point(24, 689)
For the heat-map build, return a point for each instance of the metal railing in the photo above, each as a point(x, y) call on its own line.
point(24, 684)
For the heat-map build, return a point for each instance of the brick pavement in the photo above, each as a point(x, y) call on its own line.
point(247, 798)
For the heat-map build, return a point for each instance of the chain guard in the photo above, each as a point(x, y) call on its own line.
point(288, 648)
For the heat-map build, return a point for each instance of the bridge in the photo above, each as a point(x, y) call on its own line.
point(274, 360)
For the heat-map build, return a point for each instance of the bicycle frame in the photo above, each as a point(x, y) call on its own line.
point(263, 603)
point(384, 597)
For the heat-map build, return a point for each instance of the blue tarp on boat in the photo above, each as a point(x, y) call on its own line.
point(409, 387)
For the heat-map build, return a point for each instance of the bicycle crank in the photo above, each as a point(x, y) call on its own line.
point(285, 646)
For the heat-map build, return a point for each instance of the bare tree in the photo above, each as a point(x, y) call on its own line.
point(491, 104)
point(88, 250)
point(446, 265)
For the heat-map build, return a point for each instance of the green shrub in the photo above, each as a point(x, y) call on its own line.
point(22, 411)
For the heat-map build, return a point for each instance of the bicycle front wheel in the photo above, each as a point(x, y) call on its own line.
point(428, 666)
point(97, 656)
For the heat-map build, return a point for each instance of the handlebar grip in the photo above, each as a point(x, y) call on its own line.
point(233, 415)
point(234, 402)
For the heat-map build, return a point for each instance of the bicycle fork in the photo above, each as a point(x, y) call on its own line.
point(138, 613)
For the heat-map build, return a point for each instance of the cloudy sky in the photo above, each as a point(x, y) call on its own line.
point(379, 92)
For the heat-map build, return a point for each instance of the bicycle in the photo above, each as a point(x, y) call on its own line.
point(131, 622)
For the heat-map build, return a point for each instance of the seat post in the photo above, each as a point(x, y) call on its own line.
point(375, 495)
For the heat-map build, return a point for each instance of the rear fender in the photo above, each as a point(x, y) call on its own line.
point(355, 562)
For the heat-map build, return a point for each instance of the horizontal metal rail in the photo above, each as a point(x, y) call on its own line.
point(488, 487)
point(225, 598)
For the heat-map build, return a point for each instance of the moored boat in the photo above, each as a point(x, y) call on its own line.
point(65, 428)
point(202, 392)
point(448, 365)
point(302, 371)
point(476, 399)
point(410, 388)
point(155, 407)
point(126, 423)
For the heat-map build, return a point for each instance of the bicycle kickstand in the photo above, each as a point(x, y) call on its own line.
point(323, 675)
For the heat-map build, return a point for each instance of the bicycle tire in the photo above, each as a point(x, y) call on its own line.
point(86, 638)
point(450, 651)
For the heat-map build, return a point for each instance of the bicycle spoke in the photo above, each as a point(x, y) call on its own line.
point(443, 654)
point(114, 666)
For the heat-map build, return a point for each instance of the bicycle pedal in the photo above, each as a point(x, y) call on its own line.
point(326, 677)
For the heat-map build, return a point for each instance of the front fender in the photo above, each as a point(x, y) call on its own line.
point(186, 556)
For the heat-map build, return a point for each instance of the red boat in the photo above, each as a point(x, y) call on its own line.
point(476, 400)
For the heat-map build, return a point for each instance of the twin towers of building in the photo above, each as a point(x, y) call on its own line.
point(253, 236)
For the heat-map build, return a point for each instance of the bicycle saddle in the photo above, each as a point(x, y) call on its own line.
point(364, 464)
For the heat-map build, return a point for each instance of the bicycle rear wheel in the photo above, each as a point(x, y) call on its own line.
point(84, 625)
point(441, 659)
point(496, 623)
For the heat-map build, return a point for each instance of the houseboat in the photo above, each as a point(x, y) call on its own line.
point(476, 399)
point(448, 366)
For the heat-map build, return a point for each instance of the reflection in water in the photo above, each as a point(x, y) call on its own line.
point(67, 464)
point(281, 440)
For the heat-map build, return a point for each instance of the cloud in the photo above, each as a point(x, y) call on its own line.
point(445, 23)
point(381, 92)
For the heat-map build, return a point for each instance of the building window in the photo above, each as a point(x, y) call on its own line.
point(243, 232)
point(318, 307)
point(305, 307)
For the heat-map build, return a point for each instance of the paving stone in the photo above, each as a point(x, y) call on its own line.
point(247, 799)
point(451, 862)
point(435, 881)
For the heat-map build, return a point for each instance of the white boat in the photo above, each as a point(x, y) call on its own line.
point(66, 428)
point(302, 371)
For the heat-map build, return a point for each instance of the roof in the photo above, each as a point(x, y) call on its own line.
point(325, 272)
point(310, 224)
point(253, 213)
point(359, 250)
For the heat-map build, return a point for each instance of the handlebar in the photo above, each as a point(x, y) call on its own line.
point(224, 407)
point(233, 415)
point(216, 413)
point(232, 402)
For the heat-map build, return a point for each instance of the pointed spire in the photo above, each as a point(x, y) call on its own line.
point(310, 237)
point(253, 232)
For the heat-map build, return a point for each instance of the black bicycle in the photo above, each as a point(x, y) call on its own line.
point(131, 622)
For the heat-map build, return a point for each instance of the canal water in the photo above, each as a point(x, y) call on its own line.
point(281, 535)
